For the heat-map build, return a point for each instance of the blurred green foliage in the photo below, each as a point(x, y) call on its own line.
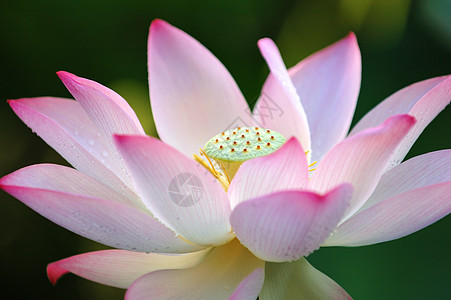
point(401, 42)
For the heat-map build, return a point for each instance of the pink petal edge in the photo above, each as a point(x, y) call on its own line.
point(284, 226)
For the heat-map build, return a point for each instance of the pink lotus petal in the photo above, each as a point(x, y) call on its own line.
point(278, 107)
point(104, 221)
point(66, 180)
point(119, 268)
point(287, 225)
point(215, 278)
point(107, 109)
point(361, 159)
point(285, 169)
point(299, 280)
point(328, 84)
point(250, 287)
point(192, 94)
point(395, 217)
point(64, 125)
point(109, 112)
point(179, 192)
point(423, 100)
point(420, 171)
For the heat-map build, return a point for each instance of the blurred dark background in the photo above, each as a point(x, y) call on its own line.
point(401, 42)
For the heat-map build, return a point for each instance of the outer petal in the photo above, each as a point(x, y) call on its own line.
point(107, 109)
point(250, 287)
point(285, 169)
point(424, 100)
point(119, 268)
point(360, 160)
point(215, 278)
point(107, 222)
point(192, 94)
point(420, 171)
point(298, 280)
point(177, 190)
point(328, 83)
point(66, 180)
point(287, 225)
point(65, 126)
point(395, 217)
point(279, 92)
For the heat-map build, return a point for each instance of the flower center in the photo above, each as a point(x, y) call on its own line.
point(243, 143)
point(226, 151)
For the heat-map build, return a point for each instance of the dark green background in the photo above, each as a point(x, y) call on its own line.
point(401, 43)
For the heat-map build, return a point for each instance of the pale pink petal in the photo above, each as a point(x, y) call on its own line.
point(328, 83)
point(119, 268)
point(285, 169)
point(361, 159)
point(250, 287)
point(215, 278)
point(66, 180)
point(287, 225)
point(179, 191)
point(395, 217)
point(420, 171)
point(192, 94)
point(65, 126)
point(107, 109)
point(423, 100)
point(299, 280)
point(279, 107)
point(104, 221)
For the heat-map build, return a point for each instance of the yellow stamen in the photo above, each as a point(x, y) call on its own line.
point(223, 177)
point(312, 164)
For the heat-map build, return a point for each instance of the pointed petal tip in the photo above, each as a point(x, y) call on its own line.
point(65, 74)
point(69, 79)
point(293, 140)
point(54, 272)
point(158, 25)
point(351, 36)
point(406, 119)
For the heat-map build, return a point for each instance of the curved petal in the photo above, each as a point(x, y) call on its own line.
point(298, 280)
point(66, 180)
point(423, 170)
point(215, 278)
point(423, 100)
point(328, 83)
point(192, 94)
point(178, 191)
point(395, 217)
point(250, 287)
point(285, 169)
point(65, 126)
point(119, 268)
point(279, 95)
point(107, 222)
point(287, 225)
point(360, 160)
point(107, 109)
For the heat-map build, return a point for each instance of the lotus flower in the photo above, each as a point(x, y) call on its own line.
point(186, 227)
